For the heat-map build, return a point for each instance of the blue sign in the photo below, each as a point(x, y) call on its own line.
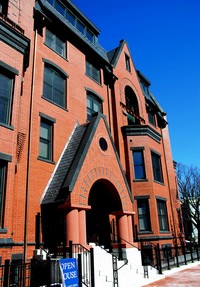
point(69, 271)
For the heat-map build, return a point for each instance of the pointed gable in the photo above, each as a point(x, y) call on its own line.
point(114, 54)
point(74, 165)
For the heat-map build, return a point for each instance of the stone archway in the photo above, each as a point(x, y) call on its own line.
point(104, 201)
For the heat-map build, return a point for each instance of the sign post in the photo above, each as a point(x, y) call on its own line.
point(69, 272)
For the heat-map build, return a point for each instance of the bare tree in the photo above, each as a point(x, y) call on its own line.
point(189, 189)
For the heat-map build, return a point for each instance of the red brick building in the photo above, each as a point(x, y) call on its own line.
point(82, 139)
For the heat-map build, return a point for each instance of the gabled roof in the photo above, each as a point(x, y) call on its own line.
point(53, 191)
point(114, 54)
point(72, 159)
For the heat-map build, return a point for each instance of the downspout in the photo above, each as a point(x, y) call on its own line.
point(29, 149)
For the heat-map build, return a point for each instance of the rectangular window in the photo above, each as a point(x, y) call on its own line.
point(54, 86)
point(128, 64)
point(143, 215)
point(6, 92)
point(71, 18)
point(55, 43)
point(46, 139)
point(80, 27)
point(89, 36)
point(139, 168)
point(144, 88)
point(93, 105)
point(3, 172)
point(162, 215)
point(151, 118)
point(60, 7)
point(93, 72)
point(157, 168)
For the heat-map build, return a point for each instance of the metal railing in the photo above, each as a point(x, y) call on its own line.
point(169, 257)
point(85, 258)
point(15, 274)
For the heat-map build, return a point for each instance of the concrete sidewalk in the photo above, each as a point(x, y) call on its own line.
point(184, 276)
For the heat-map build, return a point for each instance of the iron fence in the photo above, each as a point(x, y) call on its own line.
point(168, 257)
point(15, 274)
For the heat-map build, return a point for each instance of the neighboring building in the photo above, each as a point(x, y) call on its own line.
point(82, 139)
point(191, 215)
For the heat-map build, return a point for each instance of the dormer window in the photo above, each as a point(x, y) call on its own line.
point(73, 19)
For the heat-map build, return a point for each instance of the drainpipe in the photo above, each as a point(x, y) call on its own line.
point(29, 149)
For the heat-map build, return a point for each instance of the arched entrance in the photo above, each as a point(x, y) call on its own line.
point(104, 201)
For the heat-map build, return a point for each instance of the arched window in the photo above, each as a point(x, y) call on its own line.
point(131, 106)
point(55, 84)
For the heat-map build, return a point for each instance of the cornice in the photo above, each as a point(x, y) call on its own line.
point(15, 39)
point(141, 130)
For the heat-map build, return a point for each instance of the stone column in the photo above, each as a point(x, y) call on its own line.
point(123, 228)
point(82, 227)
point(130, 228)
point(72, 226)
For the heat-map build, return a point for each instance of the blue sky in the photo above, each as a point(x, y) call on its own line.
point(164, 40)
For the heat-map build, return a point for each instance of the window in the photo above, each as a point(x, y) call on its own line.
point(157, 168)
point(162, 215)
point(46, 139)
point(139, 168)
point(93, 72)
point(94, 104)
point(3, 7)
point(54, 86)
point(143, 215)
point(3, 172)
point(89, 36)
point(145, 88)
point(131, 106)
point(151, 118)
point(55, 43)
point(60, 7)
point(7, 75)
point(80, 27)
point(127, 61)
point(73, 20)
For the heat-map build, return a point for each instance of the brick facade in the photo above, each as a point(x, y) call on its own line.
point(89, 179)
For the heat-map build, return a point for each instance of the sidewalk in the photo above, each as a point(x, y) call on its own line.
point(184, 276)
